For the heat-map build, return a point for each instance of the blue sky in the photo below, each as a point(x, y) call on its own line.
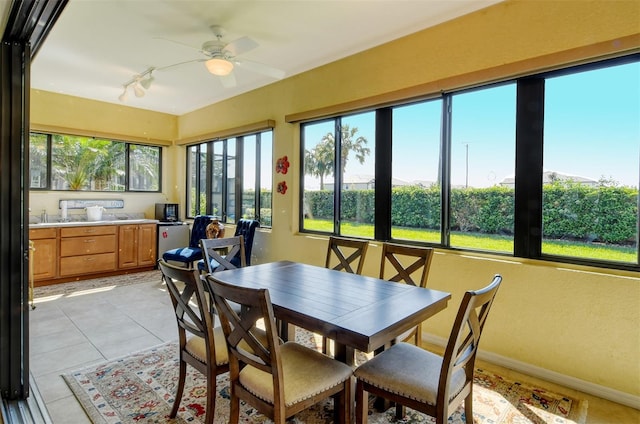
point(592, 129)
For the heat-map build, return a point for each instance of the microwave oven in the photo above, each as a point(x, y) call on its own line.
point(167, 212)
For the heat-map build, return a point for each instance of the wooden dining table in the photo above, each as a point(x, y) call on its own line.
point(356, 311)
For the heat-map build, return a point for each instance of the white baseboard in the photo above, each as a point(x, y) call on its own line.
point(547, 375)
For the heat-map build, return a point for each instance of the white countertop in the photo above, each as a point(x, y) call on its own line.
point(81, 223)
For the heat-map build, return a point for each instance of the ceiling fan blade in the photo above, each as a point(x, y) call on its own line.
point(177, 42)
point(260, 68)
point(240, 46)
point(228, 81)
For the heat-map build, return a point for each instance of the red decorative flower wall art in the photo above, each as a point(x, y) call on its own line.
point(282, 187)
point(282, 165)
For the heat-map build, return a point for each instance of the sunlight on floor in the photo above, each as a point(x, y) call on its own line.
point(91, 291)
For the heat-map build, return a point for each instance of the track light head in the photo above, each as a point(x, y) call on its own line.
point(123, 96)
point(139, 92)
point(146, 83)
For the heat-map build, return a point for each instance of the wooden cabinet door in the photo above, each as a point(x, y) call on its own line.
point(128, 246)
point(147, 244)
point(44, 259)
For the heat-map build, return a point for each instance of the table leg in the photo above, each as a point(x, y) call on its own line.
point(347, 355)
point(287, 332)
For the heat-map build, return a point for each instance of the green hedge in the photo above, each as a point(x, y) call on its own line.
point(572, 211)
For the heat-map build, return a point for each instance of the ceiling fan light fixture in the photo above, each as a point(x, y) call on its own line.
point(220, 67)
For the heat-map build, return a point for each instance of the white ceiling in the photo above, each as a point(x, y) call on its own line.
point(98, 45)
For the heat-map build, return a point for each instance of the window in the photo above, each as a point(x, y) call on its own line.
point(482, 164)
point(68, 162)
point(416, 200)
point(591, 161)
point(545, 166)
point(231, 178)
point(351, 190)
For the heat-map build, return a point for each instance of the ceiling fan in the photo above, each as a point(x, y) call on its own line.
point(221, 58)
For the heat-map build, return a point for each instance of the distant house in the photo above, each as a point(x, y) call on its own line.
point(550, 176)
point(365, 182)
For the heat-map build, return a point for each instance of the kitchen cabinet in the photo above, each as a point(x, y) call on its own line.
point(45, 255)
point(87, 250)
point(136, 245)
point(79, 251)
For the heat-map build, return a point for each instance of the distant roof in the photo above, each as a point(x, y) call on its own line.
point(549, 176)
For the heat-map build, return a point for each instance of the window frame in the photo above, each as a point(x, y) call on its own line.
point(238, 177)
point(529, 145)
point(127, 176)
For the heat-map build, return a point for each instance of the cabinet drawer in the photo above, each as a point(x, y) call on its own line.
point(87, 231)
point(42, 233)
point(87, 264)
point(87, 245)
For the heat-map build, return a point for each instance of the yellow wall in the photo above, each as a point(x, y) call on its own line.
point(79, 116)
point(579, 322)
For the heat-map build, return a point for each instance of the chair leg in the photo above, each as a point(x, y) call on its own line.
point(468, 407)
point(362, 404)
point(346, 402)
point(400, 411)
point(211, 395)
point(234, 408)
point(176, 403)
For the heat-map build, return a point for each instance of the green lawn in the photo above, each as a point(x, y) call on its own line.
point(486, 242)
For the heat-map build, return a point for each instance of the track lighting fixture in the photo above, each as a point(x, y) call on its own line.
point(139, 84)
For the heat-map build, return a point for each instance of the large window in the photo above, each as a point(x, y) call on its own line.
point(354, 182)
point(231, 178)
point(591, 161)
point(545, 166)
point(68, 162)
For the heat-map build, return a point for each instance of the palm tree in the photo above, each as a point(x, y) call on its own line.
point(320, 161)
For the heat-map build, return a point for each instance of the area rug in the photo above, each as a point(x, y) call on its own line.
point(139, 389)
point(65, 289)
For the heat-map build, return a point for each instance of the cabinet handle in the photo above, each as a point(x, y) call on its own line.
point(89, 231)
point(89, 259)
point(90, 241)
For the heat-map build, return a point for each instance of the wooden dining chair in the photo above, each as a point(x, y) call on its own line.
point(410, 265)
point(345, 254)
point(429, 383)
point(200, 344)
point(278, 379)
point(222, 253)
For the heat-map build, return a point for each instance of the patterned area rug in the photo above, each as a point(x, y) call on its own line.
point(64, 289)
point(139, 389)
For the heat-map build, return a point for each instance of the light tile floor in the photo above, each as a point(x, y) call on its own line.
point(84, 328)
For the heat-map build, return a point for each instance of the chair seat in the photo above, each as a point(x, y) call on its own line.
point(306, 372)
point(196, 346)
point(409, 371)
point(183, 254)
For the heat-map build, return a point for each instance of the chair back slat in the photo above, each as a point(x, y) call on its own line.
point(183, 285)
point(344, 254)
point(465, 335)
point(223, 253)
point(245, 332)
point(406, 261)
